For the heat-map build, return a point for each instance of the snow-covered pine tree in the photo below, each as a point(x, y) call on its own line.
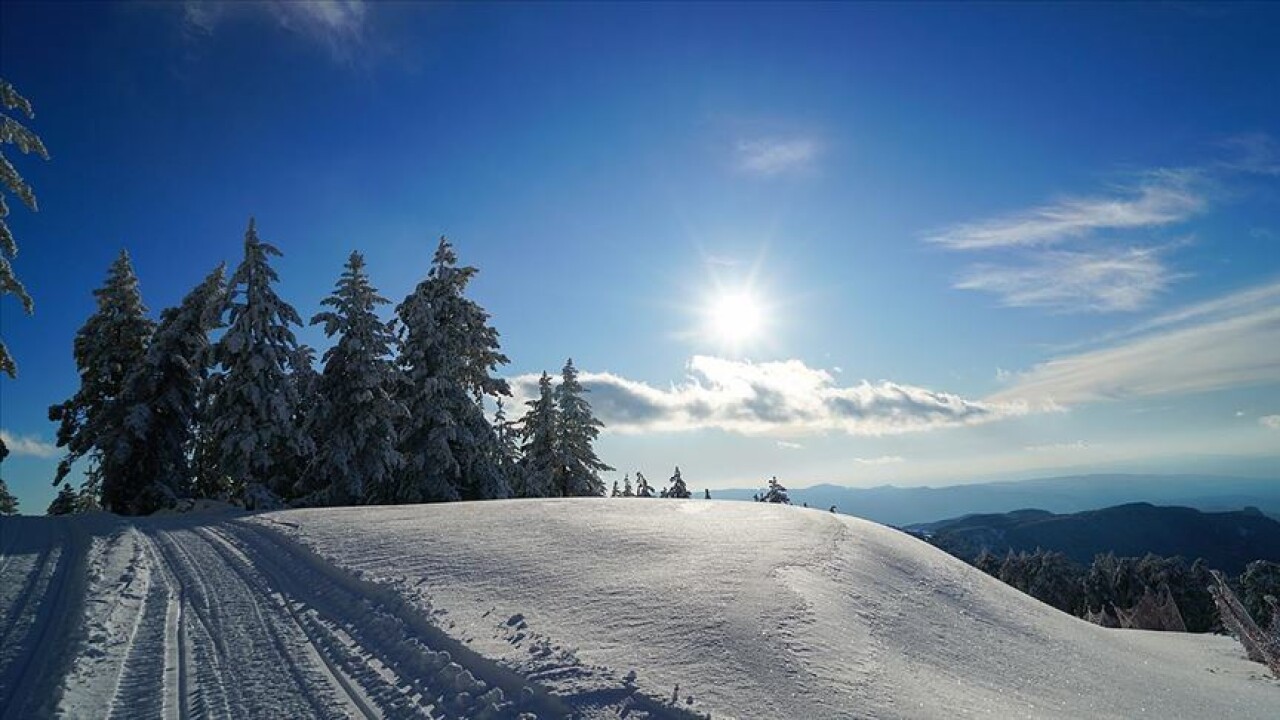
point(13, 132)
point(579, 429)
point(66, 502)
point(616, 492)
point(627, 491)
point(540, 467)
point(8, 503)
point(108, 347)
point(149, 465)
point(355, 427)
point(775, 493)
point(448, 355)
point(306, 387)
point(253, 416)
point(677, 488)
point(642, 486)
point(508, 451)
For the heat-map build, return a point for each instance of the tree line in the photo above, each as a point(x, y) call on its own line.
point(219, 400)
point(1151, 592)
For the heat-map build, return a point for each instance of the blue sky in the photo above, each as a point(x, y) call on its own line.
point(982, 240)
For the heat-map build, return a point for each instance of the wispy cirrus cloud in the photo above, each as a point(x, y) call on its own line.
point(28, 445)
point(1271, 422)
point(1226, 342)
point(775, 156)
point(785, 399)
point(1051, 256)
point(1103, 281)
point(338, 25)
point(1161, 197)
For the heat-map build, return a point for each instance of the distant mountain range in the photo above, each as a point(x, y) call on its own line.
point(1226, 541)
point(901, 506)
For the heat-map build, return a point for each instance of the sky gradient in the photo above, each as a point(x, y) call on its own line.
point(990, 241)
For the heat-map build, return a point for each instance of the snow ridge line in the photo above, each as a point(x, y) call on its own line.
point(387, 622)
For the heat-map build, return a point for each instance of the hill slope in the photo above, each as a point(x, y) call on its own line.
point(590, 608)
point(1226, 540)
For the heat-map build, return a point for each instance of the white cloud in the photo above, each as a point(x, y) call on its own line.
point(1102, 281)
point(785, 398)
point(1057, 447)
point(1271, 422)
point(881, 460)
point(774, 156)
point(28, 445)
point(1162, 197)
point(789, 445)
point(1252, 153)
point(1052, 257)
point(339, 25)
point(1226, 342)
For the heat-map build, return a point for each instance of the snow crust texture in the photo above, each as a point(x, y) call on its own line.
point(559, 608)
point(765, 611)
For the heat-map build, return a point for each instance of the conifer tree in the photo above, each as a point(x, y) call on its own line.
point(642, 486)
point(13, 132)
point(775, 493)
point(540, 468)
point(8, 503)
point(253, 419)
point(149, 465)
point(616, 492)
point(579, 429)
point(627, 491)
point(448, 357)
point(677, 488)
point(356, 458)
point(108, 347)
point(66, 502)
point(707, 496)
point(508, 451)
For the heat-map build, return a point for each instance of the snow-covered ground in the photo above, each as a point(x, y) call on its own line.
point(594, 608)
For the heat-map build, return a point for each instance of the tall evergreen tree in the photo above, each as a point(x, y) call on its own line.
point(508, 451)
point(356, 458)
point(540, 468)
point(111, 345)
point(677, 488)
point(13, 132)
point(448, 357)
point(253, 419)
point(626, 486)
point(579, 429)
point(149, 465)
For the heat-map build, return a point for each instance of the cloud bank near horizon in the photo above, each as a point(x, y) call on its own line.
point(784, 399)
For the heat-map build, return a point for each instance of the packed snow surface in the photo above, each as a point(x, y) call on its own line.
point(589, 608)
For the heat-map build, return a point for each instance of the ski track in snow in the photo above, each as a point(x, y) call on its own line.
point(226, 619)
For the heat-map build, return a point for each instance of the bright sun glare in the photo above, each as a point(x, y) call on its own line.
point(736, 318)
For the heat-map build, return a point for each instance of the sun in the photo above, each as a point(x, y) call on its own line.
point(735, 318)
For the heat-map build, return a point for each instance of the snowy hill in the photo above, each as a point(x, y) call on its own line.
point(597, 608)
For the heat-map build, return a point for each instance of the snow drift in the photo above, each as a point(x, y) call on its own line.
point(765, 611)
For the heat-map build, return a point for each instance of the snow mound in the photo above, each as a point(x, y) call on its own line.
point(739, 609)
